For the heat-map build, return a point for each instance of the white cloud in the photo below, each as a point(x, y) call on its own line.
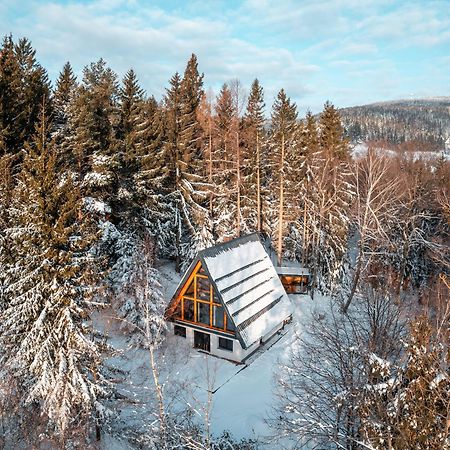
point(315, 49)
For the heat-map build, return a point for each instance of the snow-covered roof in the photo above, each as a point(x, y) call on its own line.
point(246, 280)
point(292, 270)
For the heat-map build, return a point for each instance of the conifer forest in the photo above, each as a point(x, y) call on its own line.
point(107, 194)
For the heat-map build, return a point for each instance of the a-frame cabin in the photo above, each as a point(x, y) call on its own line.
point(230, 300)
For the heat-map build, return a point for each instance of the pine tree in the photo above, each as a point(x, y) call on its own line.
point(137, 287)
point(308, 150)
point(34, 87)
point(9, 92)
point(254, 157)
point(332, 138)
point(282, 141)
point(408, 407)
point(44, 332)
point(189, 189)
point(23, 84)
point(92, 125)
point(223, 159)
point(66, 85)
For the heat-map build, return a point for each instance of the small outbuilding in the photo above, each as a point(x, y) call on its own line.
point(230, 300)
point(294, 277)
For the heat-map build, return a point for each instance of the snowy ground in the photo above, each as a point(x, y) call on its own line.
point(242, 394)
point(359, 150)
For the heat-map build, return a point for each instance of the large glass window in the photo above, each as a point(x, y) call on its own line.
point(203, 313)
point(218, 316)
point(203, 289)
point(230, 325)
point(190, 290)
point(177, 311)
point(200, 304)
point(188, 309)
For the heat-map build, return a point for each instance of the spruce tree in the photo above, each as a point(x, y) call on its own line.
point(23, 84)
point(282, 142)
point(66, 85)
point(92, 131)
point(223, 160)
point(45, 337)
point(332, 139)
point(34, 87)
point(189, 189)
point(308, 150)
point(254, 158)
point(9, 93)
point(131, 96)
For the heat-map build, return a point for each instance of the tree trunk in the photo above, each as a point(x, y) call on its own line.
point(281, 206)
point(305, 207)
point(210, 164)
point(159, 394)
point(258, 185)
point(355, 282)
point(238, 185)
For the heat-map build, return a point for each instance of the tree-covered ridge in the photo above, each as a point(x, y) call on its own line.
point(425, 121)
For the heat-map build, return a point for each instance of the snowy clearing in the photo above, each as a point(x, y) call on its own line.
point(360, 149)
point(242, 394)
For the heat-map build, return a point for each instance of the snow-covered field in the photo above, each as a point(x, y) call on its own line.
point(242, 394)
point(359, 150)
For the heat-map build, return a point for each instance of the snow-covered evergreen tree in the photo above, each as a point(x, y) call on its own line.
point(224, 173)
point(188, 188)
point(283, 141)
point(254, 159)
point(407, 407)
point(93, 119)
point(139, 299)
point(45, 335)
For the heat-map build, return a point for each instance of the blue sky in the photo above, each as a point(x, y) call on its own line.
point(348, 51)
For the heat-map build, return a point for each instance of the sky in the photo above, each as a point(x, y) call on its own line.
point(350, 52)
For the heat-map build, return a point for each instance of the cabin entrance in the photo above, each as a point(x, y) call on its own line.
point(202, 341)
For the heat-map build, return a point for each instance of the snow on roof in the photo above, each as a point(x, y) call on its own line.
point(248, 284)
point(292, 270)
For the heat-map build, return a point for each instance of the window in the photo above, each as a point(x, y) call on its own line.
point(226, 344)
point(188, 309)
point(203, 289)
point(218, 317)
point(203, 313)
point(190, 290)
point(179, 331)
point(200, 304)
point(230, 324)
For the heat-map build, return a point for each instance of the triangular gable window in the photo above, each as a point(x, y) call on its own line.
point(198, 303)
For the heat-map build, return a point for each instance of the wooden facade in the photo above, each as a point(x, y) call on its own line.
point(198, 304)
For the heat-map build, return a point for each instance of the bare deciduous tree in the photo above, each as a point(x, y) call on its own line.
point(375, 202)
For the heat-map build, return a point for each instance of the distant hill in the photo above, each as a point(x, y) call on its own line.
point(426, 121)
